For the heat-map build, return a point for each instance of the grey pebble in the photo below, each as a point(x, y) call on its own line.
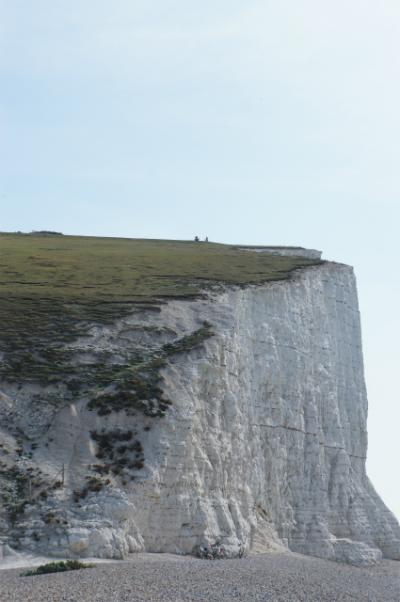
point(163, 578)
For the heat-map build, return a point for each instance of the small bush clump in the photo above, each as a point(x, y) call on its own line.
point(107, 440)
point(117, 458)
point(57, 567)
point(93, 484)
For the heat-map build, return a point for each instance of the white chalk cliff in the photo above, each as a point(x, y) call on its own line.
point(262, 446)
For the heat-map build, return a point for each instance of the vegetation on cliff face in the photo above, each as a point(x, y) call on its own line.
point(136, 386)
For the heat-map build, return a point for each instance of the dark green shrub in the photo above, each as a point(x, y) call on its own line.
point(57, 567)
point(190, 341)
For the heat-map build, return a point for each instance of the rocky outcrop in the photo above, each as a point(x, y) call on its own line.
point(237, 419)
point(287, 251)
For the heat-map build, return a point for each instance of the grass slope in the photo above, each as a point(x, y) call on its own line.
point(51, 286)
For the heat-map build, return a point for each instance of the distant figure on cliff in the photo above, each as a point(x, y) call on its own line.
point(196, 239)
point(206, 239)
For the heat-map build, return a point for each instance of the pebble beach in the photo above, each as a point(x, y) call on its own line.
point(168, 578)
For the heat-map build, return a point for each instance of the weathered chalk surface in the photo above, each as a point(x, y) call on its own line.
point(262, 449)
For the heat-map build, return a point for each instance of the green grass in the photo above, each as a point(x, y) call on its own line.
point(57, 567)
point(71, 268)
point(52, 287)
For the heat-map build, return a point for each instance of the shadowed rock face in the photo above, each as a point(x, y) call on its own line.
point(261, 444)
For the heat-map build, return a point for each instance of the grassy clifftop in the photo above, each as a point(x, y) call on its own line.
point(89, 268)
point(51, 286)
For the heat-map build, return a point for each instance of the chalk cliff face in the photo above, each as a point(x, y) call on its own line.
point(260, 444)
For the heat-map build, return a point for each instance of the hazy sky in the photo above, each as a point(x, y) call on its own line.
point(266, 122)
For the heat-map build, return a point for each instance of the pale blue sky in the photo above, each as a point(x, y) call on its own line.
point(257, 122)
